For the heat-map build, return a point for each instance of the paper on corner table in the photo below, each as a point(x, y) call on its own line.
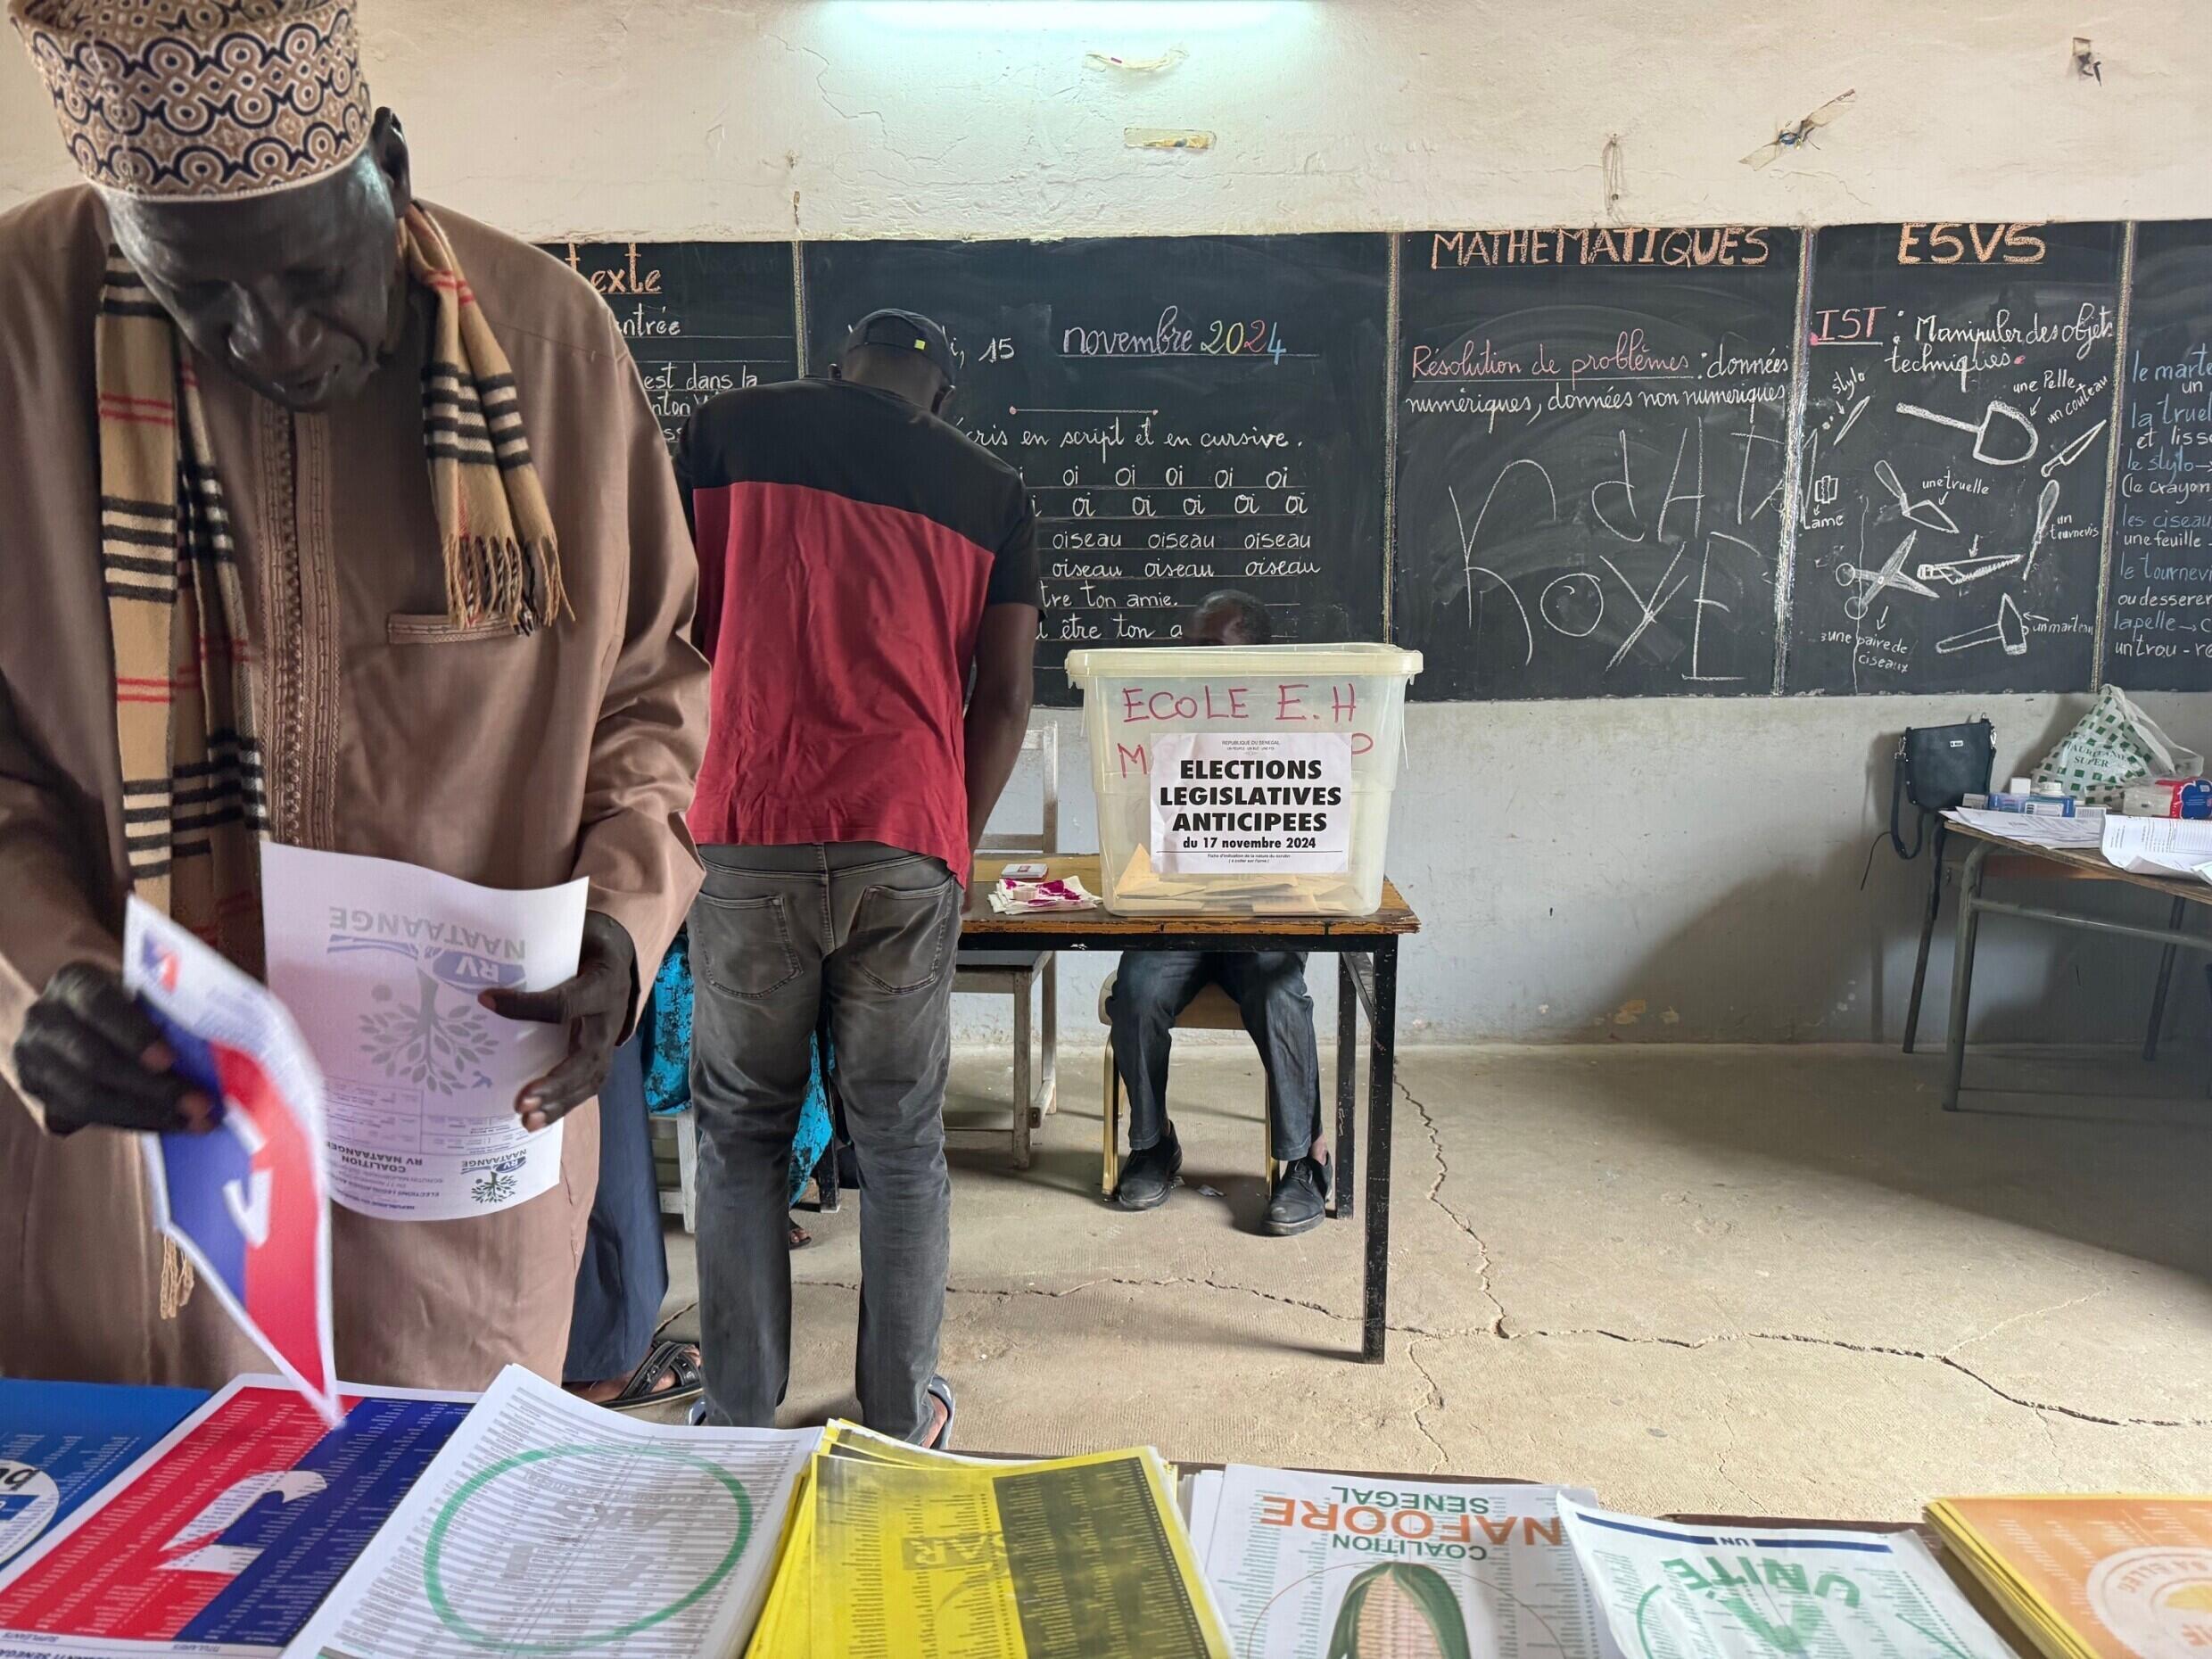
point(2160, 846)
point(380, 964)
point(2029, 828)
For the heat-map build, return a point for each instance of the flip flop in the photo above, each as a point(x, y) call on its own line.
point(678, 1362)
point(800, 1237)
point(940, 1391)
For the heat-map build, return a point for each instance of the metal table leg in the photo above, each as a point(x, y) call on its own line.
point(1383, 1036)
point(2166, 981)
point(1962, 969)
point(1928, 937)
point(1347, 1075)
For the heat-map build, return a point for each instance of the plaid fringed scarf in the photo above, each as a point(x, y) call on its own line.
point(194, 795)
point(501, 560)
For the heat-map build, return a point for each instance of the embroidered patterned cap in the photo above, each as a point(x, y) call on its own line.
point(200, 99)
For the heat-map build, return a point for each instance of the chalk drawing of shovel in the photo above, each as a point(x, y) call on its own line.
point(1923, 513)
point(2046, 507)
point(2010, 631)
point(1981, 430)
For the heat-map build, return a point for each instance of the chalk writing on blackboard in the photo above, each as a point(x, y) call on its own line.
point(1591, 460)
point(1953, 461)
point(699, 317)
point(2158, 617)
point(1189, 413)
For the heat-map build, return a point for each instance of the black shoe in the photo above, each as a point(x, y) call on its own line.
point(1147, 1176)
point(1300, 1198)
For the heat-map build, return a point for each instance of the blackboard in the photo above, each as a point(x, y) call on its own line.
point(1592, 434)
point(700, 317)
point(1952, 458)
point(1190, 413)
point(2159, 615)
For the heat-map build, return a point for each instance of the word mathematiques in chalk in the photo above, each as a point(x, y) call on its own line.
point(2158, 608)
point(699, 317)
point(1189, 413)
point(1952, 457)
point(1592, 434)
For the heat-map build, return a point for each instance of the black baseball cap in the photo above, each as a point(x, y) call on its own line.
point(908, 331)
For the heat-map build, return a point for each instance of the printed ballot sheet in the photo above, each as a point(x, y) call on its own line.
point(550, 1526)
point(897, 1553)
point(1307, 1566)
point(381, 963)
point(1672, 1591)
point(222, 1535)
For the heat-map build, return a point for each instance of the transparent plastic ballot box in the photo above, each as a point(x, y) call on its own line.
point(1244, 780)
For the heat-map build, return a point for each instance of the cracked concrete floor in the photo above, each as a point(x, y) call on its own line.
point(1775, 1280)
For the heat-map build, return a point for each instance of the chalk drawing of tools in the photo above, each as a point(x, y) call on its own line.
point(2071, 450)
point(2046, 508)
point(1873, 583)
point(1983, 428)
point(1924, 513)
point(2010, 631)
point(1956, 573)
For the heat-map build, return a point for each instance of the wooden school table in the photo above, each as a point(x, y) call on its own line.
point(2043, 863)
point(1366, 977)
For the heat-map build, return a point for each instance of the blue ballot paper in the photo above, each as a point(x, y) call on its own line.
point(60, 1442)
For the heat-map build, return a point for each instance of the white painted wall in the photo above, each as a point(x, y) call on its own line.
point(1571, 858)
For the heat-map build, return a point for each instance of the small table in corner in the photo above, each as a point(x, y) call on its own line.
point(1366, 948)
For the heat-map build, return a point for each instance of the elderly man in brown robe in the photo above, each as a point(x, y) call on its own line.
point(334, 518)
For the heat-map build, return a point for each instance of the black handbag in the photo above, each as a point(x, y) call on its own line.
point(1938, 767)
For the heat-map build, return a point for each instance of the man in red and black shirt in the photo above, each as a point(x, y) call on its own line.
point(868, 600)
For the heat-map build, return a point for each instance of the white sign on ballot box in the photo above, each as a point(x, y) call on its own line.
point(1228, 801)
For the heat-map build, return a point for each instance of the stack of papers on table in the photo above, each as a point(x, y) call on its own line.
point(2031, 828)
point(2092, 1578)
point(892, 1550)
point(2160, 846)
point(1681, 1590)
point(1306, 1564)
point(547, 1525)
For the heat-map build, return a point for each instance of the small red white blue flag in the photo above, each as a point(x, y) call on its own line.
point(245, 1202)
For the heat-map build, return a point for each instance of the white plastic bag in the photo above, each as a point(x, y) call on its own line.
point(2115, 744)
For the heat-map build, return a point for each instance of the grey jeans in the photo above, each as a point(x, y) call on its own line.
point(1151, 987)
point(863, 937)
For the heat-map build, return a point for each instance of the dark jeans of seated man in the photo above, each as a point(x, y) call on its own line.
point(779, 934)
point(1152, 987)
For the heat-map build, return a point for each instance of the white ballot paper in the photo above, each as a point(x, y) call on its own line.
point(2033, 828)
point(1303, 1566)
point(1672, 1591)
point(2160, 846)
point(547, 1525)
point(380, 964)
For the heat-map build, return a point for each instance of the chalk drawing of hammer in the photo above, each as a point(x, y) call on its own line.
point(1981, 429)
point(2010, 631)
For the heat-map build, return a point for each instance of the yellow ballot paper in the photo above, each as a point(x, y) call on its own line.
point(896, 1551)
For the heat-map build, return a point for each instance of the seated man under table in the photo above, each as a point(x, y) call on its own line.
point(1152, 987)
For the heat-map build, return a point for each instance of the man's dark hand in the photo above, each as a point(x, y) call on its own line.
point(90, 1054)
point(594, 1005)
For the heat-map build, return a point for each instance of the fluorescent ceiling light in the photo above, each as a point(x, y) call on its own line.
point(1143, 16)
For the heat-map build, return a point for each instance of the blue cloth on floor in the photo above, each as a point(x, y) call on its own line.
point(668, 1064)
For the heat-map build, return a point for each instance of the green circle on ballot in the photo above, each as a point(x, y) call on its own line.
point(433, 1577)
